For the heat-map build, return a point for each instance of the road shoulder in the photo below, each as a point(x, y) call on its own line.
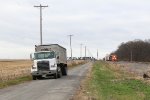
point(82, 93)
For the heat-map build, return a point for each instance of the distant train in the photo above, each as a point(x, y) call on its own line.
point(112, 57)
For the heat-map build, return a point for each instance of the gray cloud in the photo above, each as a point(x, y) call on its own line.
point(98, 24)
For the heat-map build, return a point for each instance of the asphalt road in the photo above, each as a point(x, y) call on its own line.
point(48, 89)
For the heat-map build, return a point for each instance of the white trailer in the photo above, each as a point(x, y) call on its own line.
point(49, 60)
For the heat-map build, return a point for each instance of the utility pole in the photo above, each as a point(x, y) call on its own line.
point(41, 21)
point(81, 50)
point(70, 46)
point(97, 54)
point(131, 55)
point(85, 52)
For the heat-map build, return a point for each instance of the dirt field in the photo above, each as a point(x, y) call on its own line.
point(10, 69)
point(14, 68)
point(137, 68)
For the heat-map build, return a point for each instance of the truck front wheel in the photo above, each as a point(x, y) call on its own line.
point(39, 77)
point(59, 73)
point(34, 77)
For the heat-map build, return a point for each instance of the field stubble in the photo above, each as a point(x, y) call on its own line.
point(12, 69)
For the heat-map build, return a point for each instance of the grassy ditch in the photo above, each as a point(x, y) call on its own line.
point(106, 83)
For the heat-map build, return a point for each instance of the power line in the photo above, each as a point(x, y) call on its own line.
point(41, 20)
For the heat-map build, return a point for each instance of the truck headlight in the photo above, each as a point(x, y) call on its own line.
point(53, 65)
point(33, 67)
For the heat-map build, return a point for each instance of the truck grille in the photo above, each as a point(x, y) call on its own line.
point(43, 65)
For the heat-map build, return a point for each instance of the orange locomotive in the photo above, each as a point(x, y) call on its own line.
point(113, 57)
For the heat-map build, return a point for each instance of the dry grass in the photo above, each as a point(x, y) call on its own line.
point(12, 69)
point(74, 63)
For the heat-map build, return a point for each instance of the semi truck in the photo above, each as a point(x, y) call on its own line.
point(49, 60)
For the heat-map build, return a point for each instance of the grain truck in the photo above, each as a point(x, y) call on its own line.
point(49, 60)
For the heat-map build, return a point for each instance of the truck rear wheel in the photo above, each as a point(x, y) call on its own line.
point(65, 71)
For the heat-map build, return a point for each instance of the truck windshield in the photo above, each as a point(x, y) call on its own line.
point(44, 55)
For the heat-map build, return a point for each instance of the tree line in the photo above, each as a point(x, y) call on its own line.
point(137, 50)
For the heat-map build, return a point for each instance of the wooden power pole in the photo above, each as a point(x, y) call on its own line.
point(41, 41)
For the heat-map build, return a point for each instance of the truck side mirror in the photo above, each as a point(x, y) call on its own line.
point(31, 57)
point(57, 57)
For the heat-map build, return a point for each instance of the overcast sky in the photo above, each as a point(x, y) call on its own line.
point(98, 24)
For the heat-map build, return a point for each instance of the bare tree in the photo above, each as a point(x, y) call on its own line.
point(136, 50)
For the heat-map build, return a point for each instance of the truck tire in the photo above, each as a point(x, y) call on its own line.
point(59, 73)
point(55, 76)
point(39, 77)
point(34, 77)
point(65, 71)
